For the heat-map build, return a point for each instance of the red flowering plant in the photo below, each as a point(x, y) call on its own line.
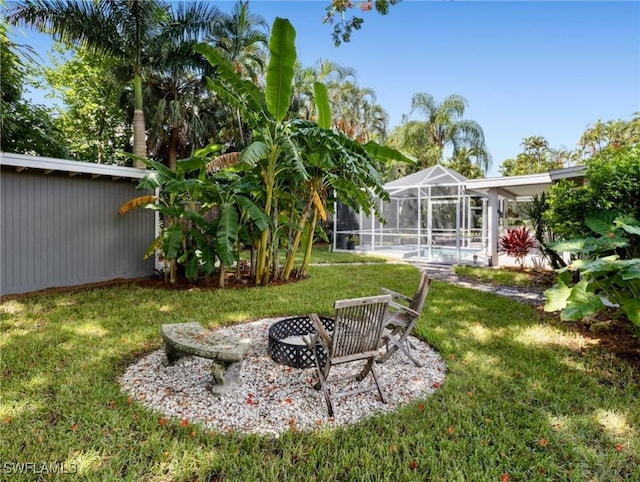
point(517, 242)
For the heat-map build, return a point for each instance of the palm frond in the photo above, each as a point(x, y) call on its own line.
point(221, 162)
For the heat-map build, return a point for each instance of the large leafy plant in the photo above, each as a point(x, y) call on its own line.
point(202, 216)
point(181, 200)
point(297, 162)
point(607, 274)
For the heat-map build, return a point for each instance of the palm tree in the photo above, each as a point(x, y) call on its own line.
point(332, 74)
point(592, 139)
point(122, 29)
point(174, 83)
point(444, 127)
point(466, 161)
point(412, 137)
point(302, 105)
point(536, 157)
point(357, 114)
point(537, 148)
point(242, 39)
point(111, 27)
point(176, 127)
point(616, 133)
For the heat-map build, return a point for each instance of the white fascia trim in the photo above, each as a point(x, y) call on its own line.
point(50, 164)
point(531, 179)
point(568, 172)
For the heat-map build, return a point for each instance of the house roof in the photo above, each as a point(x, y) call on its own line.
point(515, 187)
point(47, 164)
point(432, 176)
point(512, 187)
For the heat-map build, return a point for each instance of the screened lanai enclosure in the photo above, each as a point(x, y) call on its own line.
point(430, 215)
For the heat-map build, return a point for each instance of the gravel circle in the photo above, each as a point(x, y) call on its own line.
point(273, 398)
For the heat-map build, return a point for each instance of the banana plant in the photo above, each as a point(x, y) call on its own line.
point(282, 148)
point(236, 211)
point(185, 196)
point(265, 114)
point(608, 276)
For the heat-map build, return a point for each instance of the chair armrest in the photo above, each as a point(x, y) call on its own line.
point(400, 316)
point(326, 339)
point(395, 294)
point(406, 309)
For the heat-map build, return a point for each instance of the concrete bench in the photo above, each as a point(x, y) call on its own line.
point(227, 352)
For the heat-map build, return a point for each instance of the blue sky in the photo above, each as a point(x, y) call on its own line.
point(526, 68)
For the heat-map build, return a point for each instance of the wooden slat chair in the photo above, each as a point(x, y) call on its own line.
point(357, 336)
point(401, 318)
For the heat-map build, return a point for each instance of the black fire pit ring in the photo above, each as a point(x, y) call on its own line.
point(286, 345)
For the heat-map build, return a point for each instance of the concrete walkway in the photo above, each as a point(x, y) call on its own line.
point(444, 272)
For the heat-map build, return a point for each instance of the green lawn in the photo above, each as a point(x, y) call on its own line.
point(321, 254)
point(524, 398)
point(521, 278)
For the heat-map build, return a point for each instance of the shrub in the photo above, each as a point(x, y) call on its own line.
point(613, 185)
point(517, 242)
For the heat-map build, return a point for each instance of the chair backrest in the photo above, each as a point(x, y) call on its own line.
point(417, 302)
point(359, 325)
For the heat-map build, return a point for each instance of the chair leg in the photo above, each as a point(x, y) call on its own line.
point(405, 346)
point(323, 374)
point(365, 371)
point(401, 343)
point(374, 373)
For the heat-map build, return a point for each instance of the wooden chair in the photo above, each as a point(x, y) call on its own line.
point(401, 318)
point(357, 337)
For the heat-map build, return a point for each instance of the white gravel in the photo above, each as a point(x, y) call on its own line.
point(273, 398)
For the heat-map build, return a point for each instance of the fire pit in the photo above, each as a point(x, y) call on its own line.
point(286, 345)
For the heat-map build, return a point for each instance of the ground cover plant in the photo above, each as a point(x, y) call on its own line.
point(525, 398)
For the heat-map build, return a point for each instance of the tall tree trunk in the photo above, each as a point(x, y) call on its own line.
point(173, 148)
point(268, 175)
point(139, 136)
point(238, 263)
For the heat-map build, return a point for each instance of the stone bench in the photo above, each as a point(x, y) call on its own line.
point(226, 351)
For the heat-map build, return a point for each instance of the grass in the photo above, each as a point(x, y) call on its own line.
point(516, 277)
point(321, 254)
point(524, 398)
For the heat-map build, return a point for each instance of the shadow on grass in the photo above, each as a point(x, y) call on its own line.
point(522, 397)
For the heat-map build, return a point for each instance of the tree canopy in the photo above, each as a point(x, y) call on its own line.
point(25, 128)
point(442, 129)
point(344, 25)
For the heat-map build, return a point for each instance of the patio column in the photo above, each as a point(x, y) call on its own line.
point(493, 224)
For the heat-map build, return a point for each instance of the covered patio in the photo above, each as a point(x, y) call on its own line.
point(500, 191)
point(438, 215)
